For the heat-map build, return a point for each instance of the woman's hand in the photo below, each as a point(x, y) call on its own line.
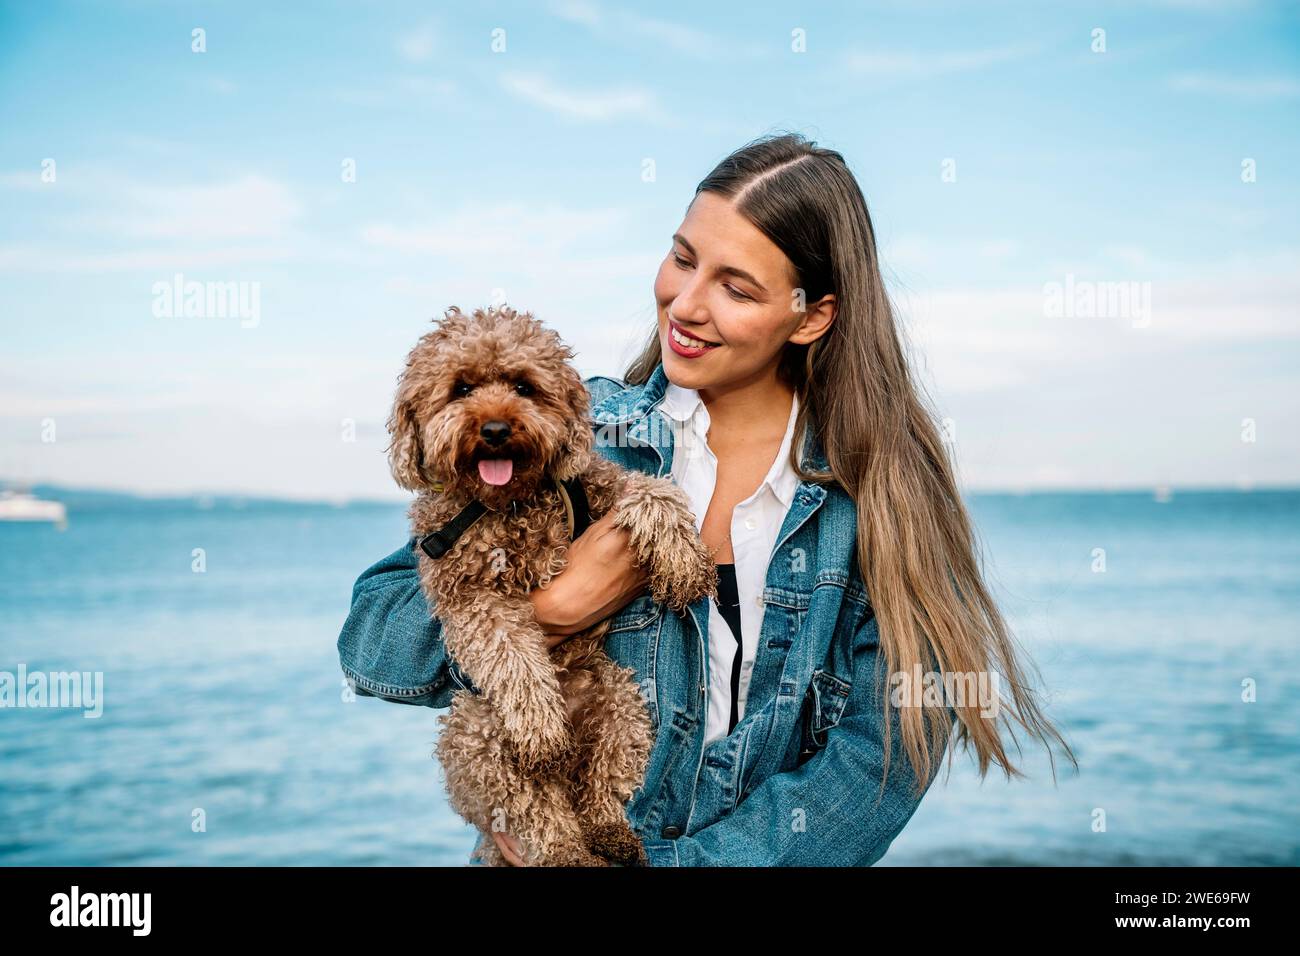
point(599, 581)
point(509, 847)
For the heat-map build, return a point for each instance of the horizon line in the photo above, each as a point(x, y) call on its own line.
point(343, 500)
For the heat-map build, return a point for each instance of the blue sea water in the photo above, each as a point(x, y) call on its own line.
point(223, 693)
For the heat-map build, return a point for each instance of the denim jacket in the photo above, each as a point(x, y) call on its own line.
point(797, 782)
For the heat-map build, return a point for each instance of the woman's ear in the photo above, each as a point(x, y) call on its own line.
point(818, 317)
point(405, 449)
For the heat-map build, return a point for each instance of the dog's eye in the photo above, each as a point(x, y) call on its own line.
point(461, 389)
point(524, 388)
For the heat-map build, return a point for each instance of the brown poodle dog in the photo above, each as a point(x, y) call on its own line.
point(489, 410)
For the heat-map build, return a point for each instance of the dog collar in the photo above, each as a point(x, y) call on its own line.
point(577, 513)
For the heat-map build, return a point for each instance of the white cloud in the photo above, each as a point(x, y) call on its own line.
point(25, 180)
point(1134, 257)
point(918, 64)
point(579, 11)
point(418, 45)
point(675, 36)
point(922, 252)
point(125, 224)
point(978, 340)
point(1260, 308)
point(514, 232)
point(35, 258)
point(614, 23)
point(1247, 87)
point(250, 207)
point(998, 250)
point(589, 105)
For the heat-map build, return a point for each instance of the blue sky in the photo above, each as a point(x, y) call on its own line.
point(518, 172)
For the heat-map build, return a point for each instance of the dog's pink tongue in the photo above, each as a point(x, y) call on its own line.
point(495, 471)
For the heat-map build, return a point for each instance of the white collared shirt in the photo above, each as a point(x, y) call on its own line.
point(755, 524)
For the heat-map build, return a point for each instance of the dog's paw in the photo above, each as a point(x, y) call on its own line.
point(543, 764)
point(617, 843)
point(665, 542)
point(542, 752)
point(683, 571)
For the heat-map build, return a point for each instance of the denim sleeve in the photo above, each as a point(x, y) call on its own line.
point(824, 812)
point(391, 644)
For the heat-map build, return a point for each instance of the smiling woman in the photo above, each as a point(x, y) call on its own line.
point(772, 286)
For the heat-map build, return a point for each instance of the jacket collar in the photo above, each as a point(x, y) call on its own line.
point(632, 409)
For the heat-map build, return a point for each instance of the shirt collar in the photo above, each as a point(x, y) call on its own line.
point(683, 404)
point(781, 477)
point(680, 403)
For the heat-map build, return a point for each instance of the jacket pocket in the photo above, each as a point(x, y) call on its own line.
point(823, 708)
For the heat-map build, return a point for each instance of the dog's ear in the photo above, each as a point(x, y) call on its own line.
point(575, 458)
point(405, 449)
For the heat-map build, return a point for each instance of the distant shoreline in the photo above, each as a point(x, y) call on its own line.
point(226, 500)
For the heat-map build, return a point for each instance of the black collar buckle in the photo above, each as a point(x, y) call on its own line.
point(572, 494)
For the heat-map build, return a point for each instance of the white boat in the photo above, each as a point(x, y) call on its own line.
point(21, 506)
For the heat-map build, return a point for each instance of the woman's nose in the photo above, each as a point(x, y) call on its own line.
point(688, 305)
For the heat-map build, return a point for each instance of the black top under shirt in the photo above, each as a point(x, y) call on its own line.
point(728, 602)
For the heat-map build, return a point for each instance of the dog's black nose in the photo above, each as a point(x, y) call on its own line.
point(495, 432)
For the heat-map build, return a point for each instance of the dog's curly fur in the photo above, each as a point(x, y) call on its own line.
point(556, 743)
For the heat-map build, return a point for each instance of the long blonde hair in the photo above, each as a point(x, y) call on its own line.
point(915, 543)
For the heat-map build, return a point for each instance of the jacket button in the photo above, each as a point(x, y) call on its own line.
point(671, 833)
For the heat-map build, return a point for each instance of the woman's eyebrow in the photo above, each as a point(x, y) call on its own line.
point(729, 270)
